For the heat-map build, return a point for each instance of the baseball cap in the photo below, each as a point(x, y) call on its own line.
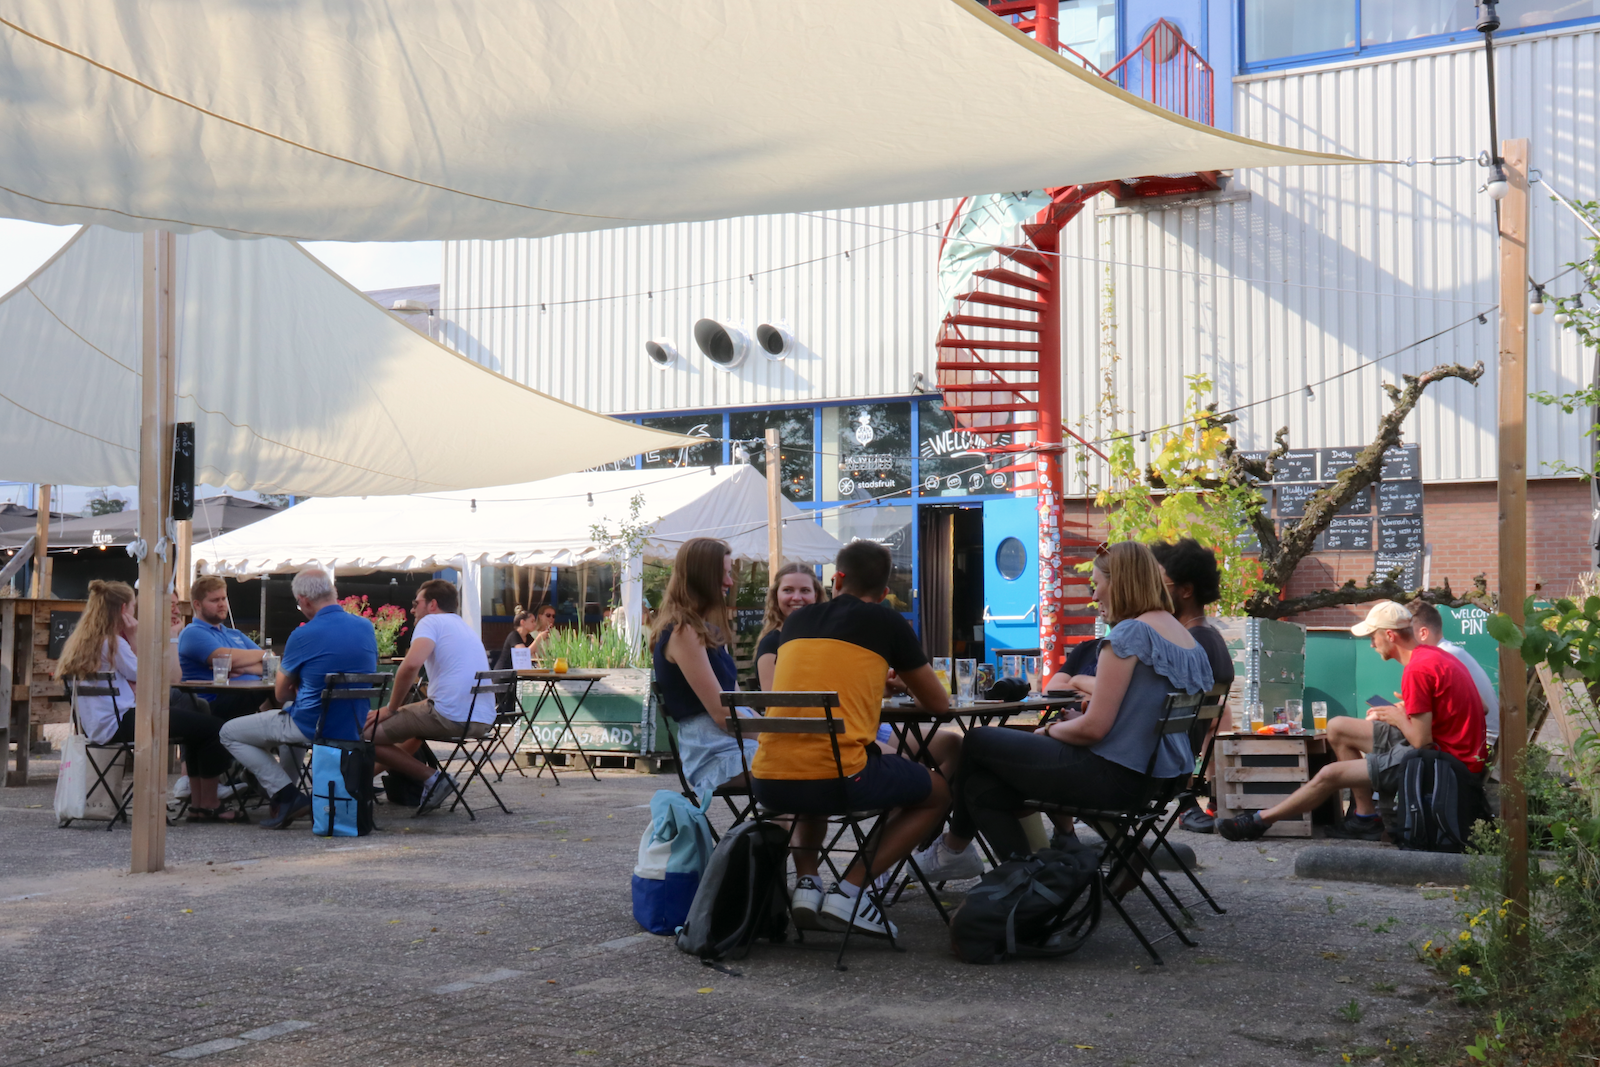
point(1385, 615)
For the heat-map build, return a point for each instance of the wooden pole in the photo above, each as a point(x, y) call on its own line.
point(1513, 500)
point(155, 491)
point(774, 505)
point(41, 546)
point(185, 564)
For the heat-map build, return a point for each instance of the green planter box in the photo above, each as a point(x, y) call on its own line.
point(611, 720)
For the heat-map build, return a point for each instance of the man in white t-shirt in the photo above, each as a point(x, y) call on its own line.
point(450, 649)
point(1430, 631)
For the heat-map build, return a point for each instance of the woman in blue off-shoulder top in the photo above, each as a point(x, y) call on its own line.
point(1099, 758)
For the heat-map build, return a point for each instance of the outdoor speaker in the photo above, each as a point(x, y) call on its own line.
point(723, 344)
point(662, 352)
point(775, 340)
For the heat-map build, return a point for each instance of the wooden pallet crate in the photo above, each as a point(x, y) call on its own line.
point(1256, 772)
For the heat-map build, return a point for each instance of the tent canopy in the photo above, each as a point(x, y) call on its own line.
point(212, 515)
point(410, 119)
point(540, 523)
point(297, 383)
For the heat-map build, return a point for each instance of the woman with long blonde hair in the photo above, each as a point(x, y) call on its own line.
point(1100, 757)
point(693, 666)
point(794, 586)
point(103, 642)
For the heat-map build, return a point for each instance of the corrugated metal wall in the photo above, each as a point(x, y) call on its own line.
point(570, 315)
point(1323, 270)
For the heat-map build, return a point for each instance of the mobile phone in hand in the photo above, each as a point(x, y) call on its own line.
point(1378, 702)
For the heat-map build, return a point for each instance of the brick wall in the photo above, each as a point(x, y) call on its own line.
point(1461, 523)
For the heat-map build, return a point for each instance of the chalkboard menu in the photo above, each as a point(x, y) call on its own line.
point(1347, 534)
point(1360, 504)
point(1404, 462)
point(1335, 461)
point(1400, 498)
point(1410, 564)
point(1291, 499)
point(1399, 533)
point(1296, 466)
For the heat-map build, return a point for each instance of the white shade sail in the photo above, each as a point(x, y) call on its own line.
point(548, 522)
point(409, 119)
point(297, 383)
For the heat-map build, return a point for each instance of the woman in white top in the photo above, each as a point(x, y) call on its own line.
point(103, 642)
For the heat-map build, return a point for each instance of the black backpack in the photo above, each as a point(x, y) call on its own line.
point(1030, 907)
point(742, 894)
point(1439, 801)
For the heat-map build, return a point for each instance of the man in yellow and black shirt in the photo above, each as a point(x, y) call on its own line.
point(848, 645)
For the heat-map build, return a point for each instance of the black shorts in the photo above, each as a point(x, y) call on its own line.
point(885, 782)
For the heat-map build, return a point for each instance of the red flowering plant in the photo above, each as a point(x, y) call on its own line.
point(388, 621)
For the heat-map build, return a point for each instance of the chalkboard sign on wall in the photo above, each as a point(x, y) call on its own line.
point(1335, 461)
point(1296, 466)
point(1410, 564)
point(1360, 504)
point(1347, 534)
point(1402, 463)
point(1292, 499)
point(1400, 533)
point(1400, 498)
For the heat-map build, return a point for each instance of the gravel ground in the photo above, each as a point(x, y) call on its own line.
point(511, 939)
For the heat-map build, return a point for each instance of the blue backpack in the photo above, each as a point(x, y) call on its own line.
point(672, 855)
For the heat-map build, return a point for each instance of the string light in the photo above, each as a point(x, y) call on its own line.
point(1536, 305)
point(1311, 394)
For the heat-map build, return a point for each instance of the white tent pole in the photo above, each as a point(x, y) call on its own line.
point(472, 594)
point(633, 597)
point(774, 505)
point(155, 473)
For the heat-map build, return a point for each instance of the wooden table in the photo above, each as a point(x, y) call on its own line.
point(549, 682)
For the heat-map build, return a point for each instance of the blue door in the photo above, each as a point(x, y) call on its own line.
point(1010, 574)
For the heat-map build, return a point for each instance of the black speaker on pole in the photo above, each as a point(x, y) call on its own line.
point(183, 471)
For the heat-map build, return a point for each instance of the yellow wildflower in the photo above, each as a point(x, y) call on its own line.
point(1464, 970)
point(1465, 936)
point(1472, 921)
point(1426, 945)
point(1502, 913)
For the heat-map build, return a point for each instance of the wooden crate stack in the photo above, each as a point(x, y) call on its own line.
point(1257, 772)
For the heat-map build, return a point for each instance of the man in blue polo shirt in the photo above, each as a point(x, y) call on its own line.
point(332, 641)
point(209, 636)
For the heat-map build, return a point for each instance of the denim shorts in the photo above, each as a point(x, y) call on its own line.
point(885, 782)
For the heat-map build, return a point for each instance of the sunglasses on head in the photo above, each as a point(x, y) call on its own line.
point(1102, 549)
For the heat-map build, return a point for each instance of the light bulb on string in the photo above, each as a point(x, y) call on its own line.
point(1497, 187)
point(1310, 393)
point(1536, 305)
point(591, 500)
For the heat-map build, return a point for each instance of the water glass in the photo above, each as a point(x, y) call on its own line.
point(269, 668)
point(221, 667)
point(1010, 666)
point(1030, 668)
point(1297, 716)
point(966, 676)
point(1319, 715)
point(941, 671)
point(1258, 716)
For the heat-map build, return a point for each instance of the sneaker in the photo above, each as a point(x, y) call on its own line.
point(1359, 828)
point(288, 810)
point(1198, 821)
point(1246, 827)
point(805, 903)
point(835, 914)
point(443, 786)
point(180, 788)
point(938, 864)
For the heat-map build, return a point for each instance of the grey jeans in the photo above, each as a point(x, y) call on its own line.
point(252, 739)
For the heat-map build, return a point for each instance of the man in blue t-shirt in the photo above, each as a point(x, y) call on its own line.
point(332, 641)
point(209, 636)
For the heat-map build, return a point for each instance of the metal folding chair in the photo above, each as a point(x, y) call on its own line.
point(1202, 737)
point(738, 798)
point(103, 684)
point(830, 726)
point(1122, 831)
point(373, 688)
point(478, 752)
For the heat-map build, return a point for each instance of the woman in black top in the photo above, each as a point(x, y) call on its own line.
point(521, 628)
point(1193, 581)
point(794, 586)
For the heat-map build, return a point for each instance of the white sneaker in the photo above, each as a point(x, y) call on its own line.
point(939, 864)
point(836, 909)
point(807, 899)
point(180, 788)
point(442, 786)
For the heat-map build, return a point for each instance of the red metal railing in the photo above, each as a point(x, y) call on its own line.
point(1166, 70)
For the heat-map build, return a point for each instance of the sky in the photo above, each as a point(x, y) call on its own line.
point(25, 246)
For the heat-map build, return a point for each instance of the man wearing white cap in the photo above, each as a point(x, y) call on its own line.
point(1439, 706)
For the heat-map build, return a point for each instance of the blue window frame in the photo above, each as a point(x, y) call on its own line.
point(1275, 34)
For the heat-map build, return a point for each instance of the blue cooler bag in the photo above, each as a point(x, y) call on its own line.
point(672, 855)
point(341, 788)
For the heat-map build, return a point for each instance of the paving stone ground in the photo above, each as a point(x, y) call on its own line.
point(511, 940)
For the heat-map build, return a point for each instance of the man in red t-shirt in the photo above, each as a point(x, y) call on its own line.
point(1439, 706)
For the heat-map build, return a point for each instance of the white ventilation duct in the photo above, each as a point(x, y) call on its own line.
point(724, 344)
point(662, 352)
point(775, 339)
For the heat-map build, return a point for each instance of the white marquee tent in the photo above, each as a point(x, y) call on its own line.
point(297, 383)
point(407, 119)
point(537, 524)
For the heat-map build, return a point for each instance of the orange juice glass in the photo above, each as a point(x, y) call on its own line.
point(560, 666)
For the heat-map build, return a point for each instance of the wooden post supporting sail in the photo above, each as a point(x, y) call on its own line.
point(774, 506)
point(185, 564)
point(41, 546)
point(156, 403)
point(1513, 501)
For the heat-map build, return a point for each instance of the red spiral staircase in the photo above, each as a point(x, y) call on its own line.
point(999, 360)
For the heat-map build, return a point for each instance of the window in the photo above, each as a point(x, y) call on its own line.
point(794, 427)
point(1279, 30)
point(950, 464)
point(708, 426)
point(887, 525)
point(1011, 559)
point(1089, 28)
point(870, 451)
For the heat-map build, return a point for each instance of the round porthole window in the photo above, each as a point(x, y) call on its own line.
point(1011, 559)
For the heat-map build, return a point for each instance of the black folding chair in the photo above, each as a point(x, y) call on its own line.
point(865, 840)
point(1122, 831)
point(737, 797)
point(478, 752)
point(103, 684)
point(1202, 738)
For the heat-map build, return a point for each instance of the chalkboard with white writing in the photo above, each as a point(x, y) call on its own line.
point(1410, 564)
point(1296, 466)
point(1403, 462)
point(1400, 498)
point(1400, 533)
point(1347, 534)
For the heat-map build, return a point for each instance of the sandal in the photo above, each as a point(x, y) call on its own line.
point(198, 814)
